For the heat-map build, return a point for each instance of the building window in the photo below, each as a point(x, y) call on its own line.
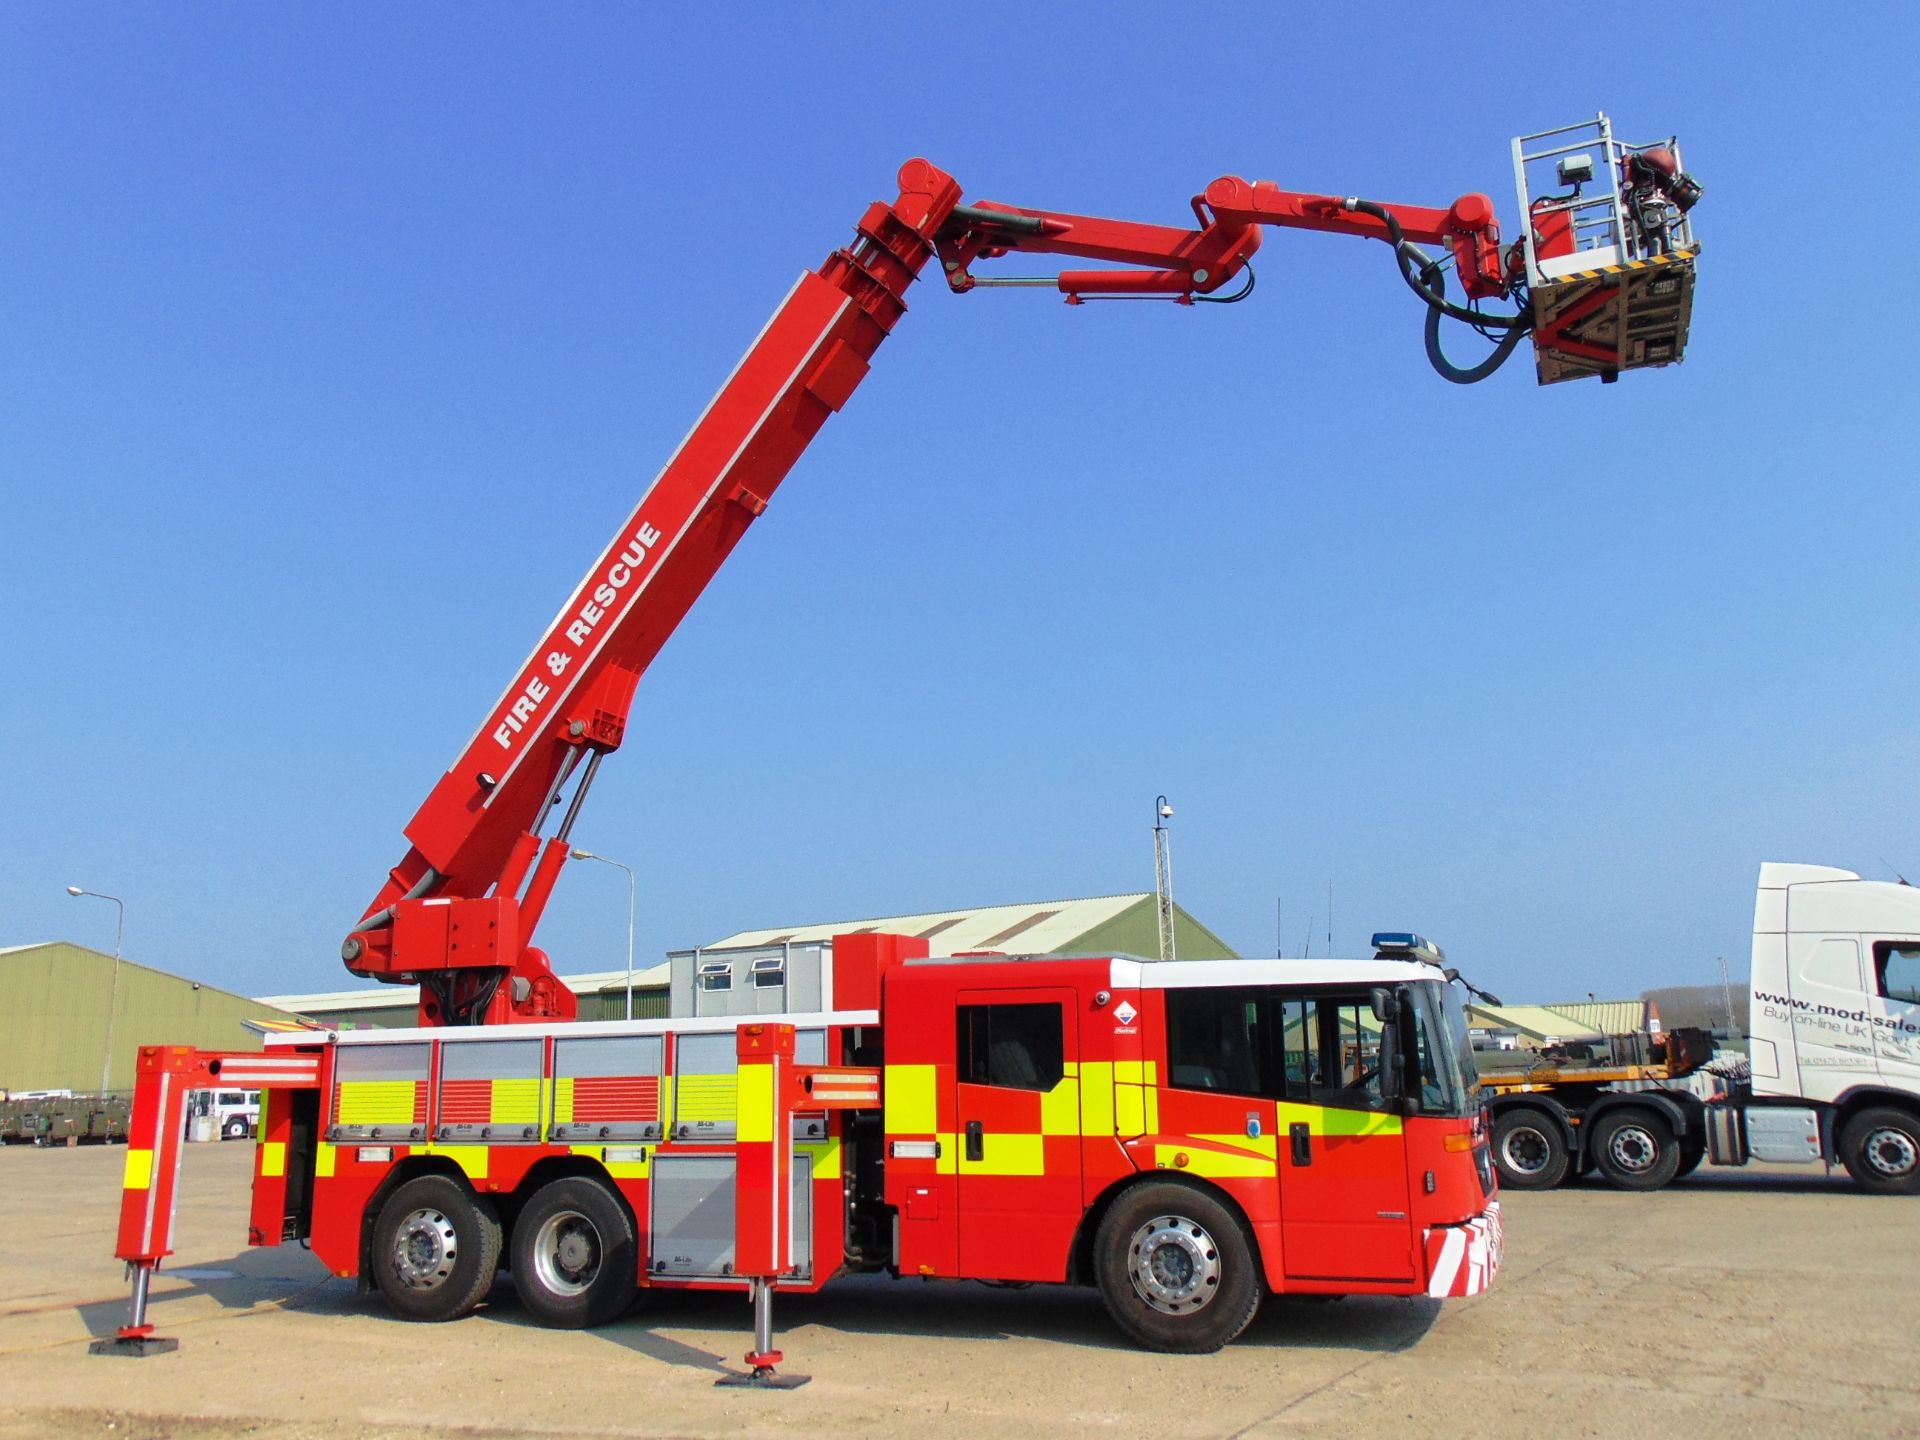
point(716, 975)
point(1015, 1047)
point(769, 973)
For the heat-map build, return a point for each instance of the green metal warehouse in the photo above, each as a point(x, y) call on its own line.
point(64, 1001)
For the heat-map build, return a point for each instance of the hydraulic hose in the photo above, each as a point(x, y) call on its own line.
point(1419, 286)
point(1431, 286)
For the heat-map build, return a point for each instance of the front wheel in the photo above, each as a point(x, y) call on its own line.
point(235, 1130)
point(435, 1249)
point(1881, 1150)
point(1175, 1269)
point(1529, 1150)
point(1635, 1150)
point(575, 1260)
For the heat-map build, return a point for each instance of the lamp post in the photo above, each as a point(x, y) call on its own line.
point(1163, 873)
point(113, 992)
point(589, 855)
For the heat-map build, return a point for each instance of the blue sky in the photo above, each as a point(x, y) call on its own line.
point(335, 341)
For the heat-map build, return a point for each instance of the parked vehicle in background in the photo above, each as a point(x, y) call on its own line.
point(1834, 1072)
point(235, 1113)
point(63, 1118)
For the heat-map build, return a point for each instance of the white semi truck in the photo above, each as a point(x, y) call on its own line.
point(1835, 1059)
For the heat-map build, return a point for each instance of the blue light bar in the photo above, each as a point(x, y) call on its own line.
point(1405, 945)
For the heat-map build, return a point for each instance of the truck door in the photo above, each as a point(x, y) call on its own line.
point(1018, 1110)
point(1343, 1162)
point(1896, 1008)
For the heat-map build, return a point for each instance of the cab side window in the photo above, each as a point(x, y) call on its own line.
point(1216, 1041)
point(1332, 1049)
point(1896, 964)
point(1016, 1047)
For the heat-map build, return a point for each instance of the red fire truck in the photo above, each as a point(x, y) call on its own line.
point(1185, 1135)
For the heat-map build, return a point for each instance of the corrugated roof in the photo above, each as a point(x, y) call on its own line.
point(1535, 1020)
point(1035, 928)
point(1609, 1017)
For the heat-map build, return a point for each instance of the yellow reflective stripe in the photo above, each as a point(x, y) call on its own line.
point(1330, 1120)
point(323, 1160)
point(1060, 1109)
point(704, 1097)
point(139, 1171)
point(754, 1101)
point(273, 1158)
point(515, 1102)
point(1214, 1164)
point(908, 1100)
point(1096, 1097)
point(376, 1102)
point(826, 1157)
point(563, 1100)
point(472, 1159)
point(1007, 1155)
point(1136, 1072)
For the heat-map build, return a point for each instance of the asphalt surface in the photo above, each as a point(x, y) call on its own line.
point(1777, 1302)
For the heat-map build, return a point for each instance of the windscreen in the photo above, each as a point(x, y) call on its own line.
point(1445, 1082)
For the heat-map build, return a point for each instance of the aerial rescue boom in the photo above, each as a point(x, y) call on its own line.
point(459, 911)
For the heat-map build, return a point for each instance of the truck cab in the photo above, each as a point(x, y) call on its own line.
point(1835, 1023)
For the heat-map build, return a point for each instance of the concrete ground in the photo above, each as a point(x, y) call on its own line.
point(1770, 1303)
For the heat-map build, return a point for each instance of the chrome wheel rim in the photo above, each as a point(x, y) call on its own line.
point(1633, 1149)
point(1525, 1151)
point(425, 1249)
point(1891, 1153)
point(1174, 1265)
point(566, 1253)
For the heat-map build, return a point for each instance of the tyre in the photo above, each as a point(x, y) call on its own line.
point(1635, 1149)
point(1529, 1150)
point(234, 1129)
point(576, 1261)
point(435, 1249)
point(1881, 1150)
point(1692, 1152)
point(1175, 1269)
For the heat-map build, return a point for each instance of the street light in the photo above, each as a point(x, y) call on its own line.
point(589, 855)
point(113, 993)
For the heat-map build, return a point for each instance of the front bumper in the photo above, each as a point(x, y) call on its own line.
point(1463, 1259)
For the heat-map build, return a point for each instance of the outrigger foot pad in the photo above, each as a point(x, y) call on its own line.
point(134, 1346)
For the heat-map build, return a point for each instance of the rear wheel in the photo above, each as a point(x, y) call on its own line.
point(435, 1249)
point(1529, 1149)
point(1175, 1269)
point(576, 1262)
point(1635, 1149)
point(1881, 1150)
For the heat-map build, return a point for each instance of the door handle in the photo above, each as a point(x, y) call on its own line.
point(1302, 1139)
point(976, 1141)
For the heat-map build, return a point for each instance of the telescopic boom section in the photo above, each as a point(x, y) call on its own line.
point(456, 914)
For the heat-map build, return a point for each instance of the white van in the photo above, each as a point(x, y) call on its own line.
point(236, 1113)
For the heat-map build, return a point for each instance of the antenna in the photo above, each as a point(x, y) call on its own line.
point(1306, 946)
point(1163, 873)
point(1726, 995)
point(1279, 930)
point(1329, 916)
